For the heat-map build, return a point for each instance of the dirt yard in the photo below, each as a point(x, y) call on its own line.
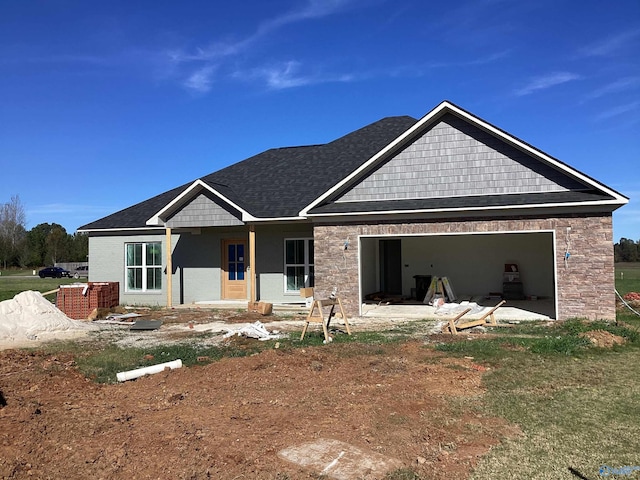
point(232, 418)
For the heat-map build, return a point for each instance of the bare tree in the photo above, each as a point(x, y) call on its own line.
point(12, 230)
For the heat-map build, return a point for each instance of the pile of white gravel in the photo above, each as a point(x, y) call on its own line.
point(30, 317)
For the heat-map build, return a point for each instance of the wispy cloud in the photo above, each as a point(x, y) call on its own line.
point(611, 45)
point(289, 75)
point(619, 110)
point(482, 60)
point(313, 9)
point(620, 85)
point(547, 81)
point(201, 79)
point(490, 58)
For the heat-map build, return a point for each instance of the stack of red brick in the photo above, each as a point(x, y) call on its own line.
point(77, 301)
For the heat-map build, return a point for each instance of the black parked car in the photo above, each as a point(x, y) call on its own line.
point(54, 272)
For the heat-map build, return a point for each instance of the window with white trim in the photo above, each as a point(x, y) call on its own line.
point(143, 266)
point(298, 264)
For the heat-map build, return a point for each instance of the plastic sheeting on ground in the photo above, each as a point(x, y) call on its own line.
point(255, 330)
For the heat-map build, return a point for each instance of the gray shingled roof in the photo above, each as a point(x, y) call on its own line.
point(279, 182)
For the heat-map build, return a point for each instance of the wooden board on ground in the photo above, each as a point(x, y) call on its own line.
point(487, 319)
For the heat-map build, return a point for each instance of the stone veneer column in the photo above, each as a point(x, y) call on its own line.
point(585, 284)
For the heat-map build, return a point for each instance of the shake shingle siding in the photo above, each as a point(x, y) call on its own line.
point(204, 211)
point(454, 159)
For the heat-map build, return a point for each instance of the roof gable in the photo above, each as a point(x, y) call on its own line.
point(449, 155)
point(454, 158)
point(204, 210)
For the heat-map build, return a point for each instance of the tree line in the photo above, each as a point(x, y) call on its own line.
point(45, 244)
point(627, 250)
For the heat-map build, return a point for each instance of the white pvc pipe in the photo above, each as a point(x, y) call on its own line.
point(139, 372)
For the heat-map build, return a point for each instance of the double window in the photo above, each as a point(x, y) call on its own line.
point(298, 263)
point(143, 264)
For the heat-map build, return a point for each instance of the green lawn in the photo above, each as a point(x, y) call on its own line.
point(578, 406)
point(578, 415)
point(12, 285)
point(628, 277)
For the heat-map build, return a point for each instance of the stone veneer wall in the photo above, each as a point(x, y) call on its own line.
point(585, 285)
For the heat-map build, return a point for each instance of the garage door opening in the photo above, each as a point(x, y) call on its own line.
point(474, 264)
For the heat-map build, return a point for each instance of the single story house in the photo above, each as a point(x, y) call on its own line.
point(446, 195)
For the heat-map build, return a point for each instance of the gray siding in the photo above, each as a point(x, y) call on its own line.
point(454, 159)
point(204, 211)
point(106, 264)
point(270, 261)
point(196, 260)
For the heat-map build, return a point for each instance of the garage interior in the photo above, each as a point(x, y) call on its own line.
point(395, 269)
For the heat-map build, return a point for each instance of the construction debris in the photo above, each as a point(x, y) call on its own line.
point(255, 330)
point(146, 325)
point(140, 372)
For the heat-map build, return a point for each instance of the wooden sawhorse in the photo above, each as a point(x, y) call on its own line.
point(453, 327)
point(320, 318)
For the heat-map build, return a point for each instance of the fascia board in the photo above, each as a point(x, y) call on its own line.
point(162, 228)
point(276, 219)
point(434, 114)
point(466, 209)
point(120, 229)
point(195, 187)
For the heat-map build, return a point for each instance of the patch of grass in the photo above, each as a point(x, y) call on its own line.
point(576, 413)
point(403, 474)
point(11, 286)
point(575, 327)
point(495, 350)
point(102, 364)
point(627, 277)
point(577, 405)
point(562, 338)
point(630, 319)
point(9, 272)
point(489, 349)
point(315, 337)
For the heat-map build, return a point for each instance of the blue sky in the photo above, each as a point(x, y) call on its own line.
point(105, 104)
